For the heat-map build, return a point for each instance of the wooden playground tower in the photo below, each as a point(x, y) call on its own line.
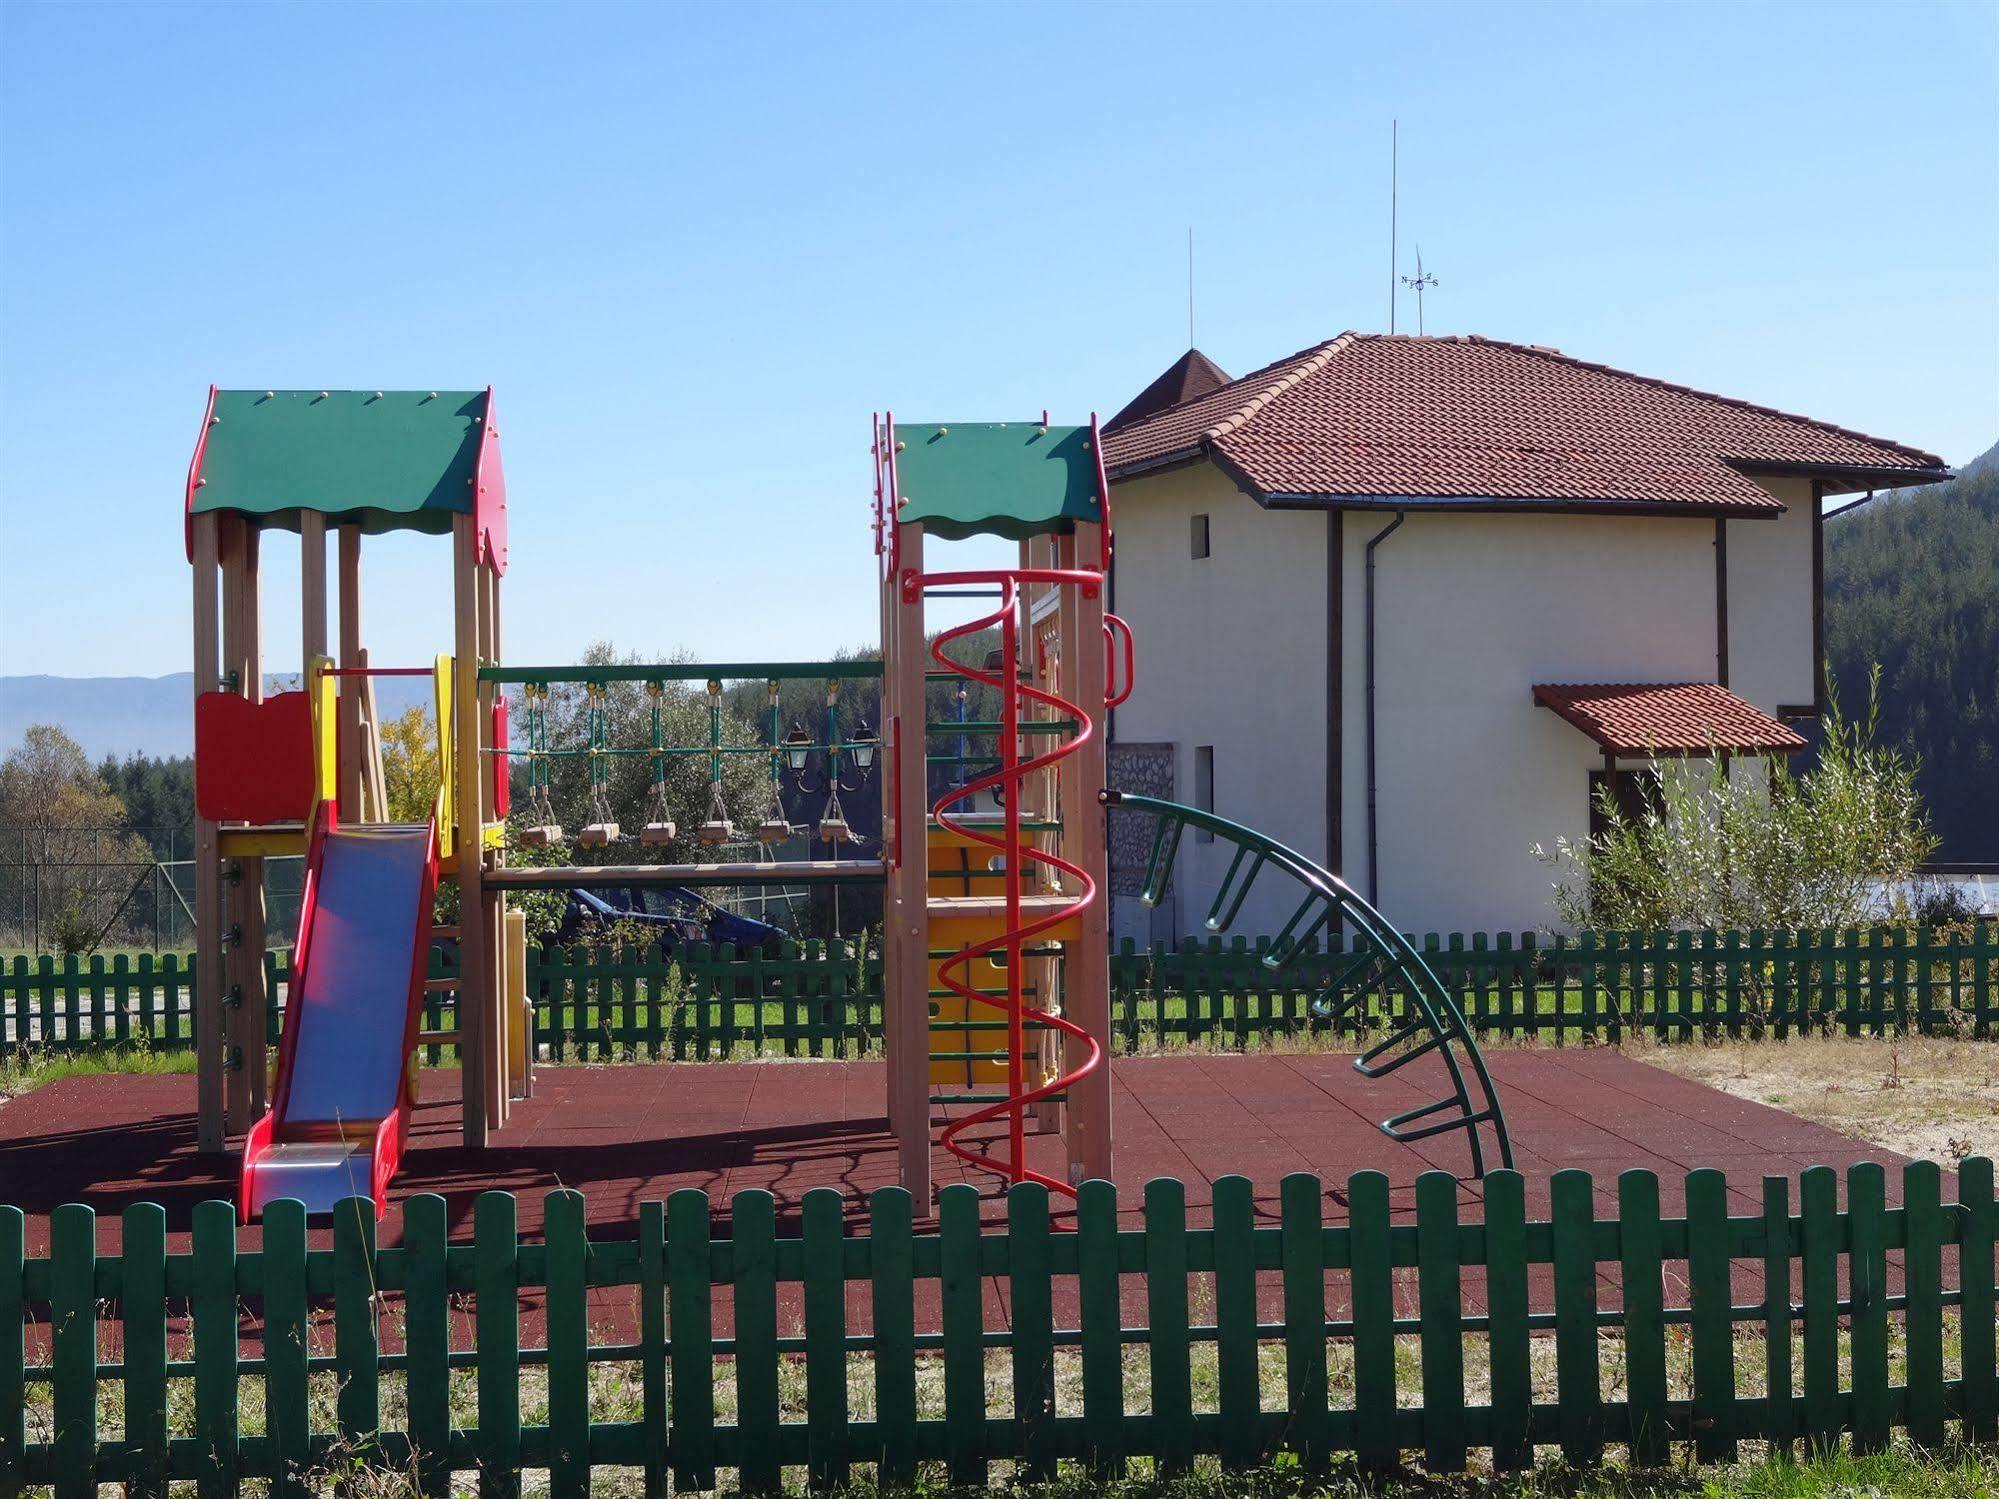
point(997, 941)
point(997, 945)
point(352, 463)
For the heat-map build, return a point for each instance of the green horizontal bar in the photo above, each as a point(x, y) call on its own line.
point(687, 671)
point(959, 676)
point(970, 1056)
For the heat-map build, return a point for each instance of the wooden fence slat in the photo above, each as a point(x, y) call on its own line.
point(357, 1339)
point(1101, 1320)
point(1302, 1253)
point(427, 1338)
point(1819, 1234)
point(1373, 1278)
point(823, 1232)
point(1867, 1272)
point(1508, 1350)
point(1644, 1316)
point(1167, 1315)
point(1441, 1302)
point(1235, 1319)
point(892, 1266)
point(964, 1326)
point(1779, 1250)
point(1578, 1381)
point(143, 1290)
point(692, 1330)
point(73, 1350)
point(13, 1340)
point(652, 1343)
point(1713, 1332)
point(1978, 1217)
point(287, 1343)
point(568, 1255)
point(753, 1251)
point(496, 1287)
point(1922, 1267)
point(1030, 1278)
point(215, 1360)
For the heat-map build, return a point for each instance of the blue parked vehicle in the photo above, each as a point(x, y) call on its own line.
point(671, 914)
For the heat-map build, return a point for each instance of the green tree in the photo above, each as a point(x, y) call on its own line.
point(1912, 584)
point(77, 859)
point(409, 765)
point(1728, 850)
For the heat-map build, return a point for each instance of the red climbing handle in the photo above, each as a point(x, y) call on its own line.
point(1116, 631)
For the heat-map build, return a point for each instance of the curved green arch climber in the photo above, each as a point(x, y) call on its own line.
point(1384, 959)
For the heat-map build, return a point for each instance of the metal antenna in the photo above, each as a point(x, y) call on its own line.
point(1417, 283)
point(1190, 286)
point(1394, 149)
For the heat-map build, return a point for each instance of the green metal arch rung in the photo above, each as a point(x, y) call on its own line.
point(1434, 1024)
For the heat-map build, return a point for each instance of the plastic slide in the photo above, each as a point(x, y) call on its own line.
point(340, 1113)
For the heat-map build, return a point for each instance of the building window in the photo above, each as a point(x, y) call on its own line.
point(1198, 542)
point(1204, 786)
point(1635, 793)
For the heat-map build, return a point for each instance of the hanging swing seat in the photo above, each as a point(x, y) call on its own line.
point(541, 835)
point(598, 835)
point(834, 830)
point(653, 834)
point(773, 830)
point(715, 831)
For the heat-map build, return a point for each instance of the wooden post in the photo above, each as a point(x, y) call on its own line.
point(499, 1013)
point(349, 712)
point(311, 591)
point(208, 980)
point(476, 965)
point(244, 1029)
point(906, 956)
point(1086, 964)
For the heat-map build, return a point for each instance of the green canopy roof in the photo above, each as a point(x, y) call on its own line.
point(1011, 479)
point(389, 460)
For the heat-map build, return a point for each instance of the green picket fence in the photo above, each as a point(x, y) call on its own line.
point(824, 998)
point(743, 1354)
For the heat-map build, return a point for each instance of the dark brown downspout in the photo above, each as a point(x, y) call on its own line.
point(1373, 823)
point(1335, 689)
point(1721, 601)
point(1818, 597)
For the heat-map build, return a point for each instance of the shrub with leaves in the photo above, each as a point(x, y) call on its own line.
point(1733, 850)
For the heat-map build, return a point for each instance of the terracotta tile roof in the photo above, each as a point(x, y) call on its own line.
point(1666, 718)
point(1472, 419)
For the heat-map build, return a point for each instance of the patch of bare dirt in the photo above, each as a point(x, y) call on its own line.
point(1929, 1097)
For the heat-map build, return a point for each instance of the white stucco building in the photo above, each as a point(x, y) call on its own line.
point(1401, 601)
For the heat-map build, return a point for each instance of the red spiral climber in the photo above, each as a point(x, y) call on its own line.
point(1019, 930)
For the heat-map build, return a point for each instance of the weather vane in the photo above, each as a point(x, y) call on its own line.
point(1417, 283)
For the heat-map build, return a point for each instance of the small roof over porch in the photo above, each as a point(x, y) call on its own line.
point(1651, 719)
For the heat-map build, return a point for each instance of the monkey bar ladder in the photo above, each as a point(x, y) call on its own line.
point(1383, 962)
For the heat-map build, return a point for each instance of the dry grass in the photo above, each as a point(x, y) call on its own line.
point(1930, 1097)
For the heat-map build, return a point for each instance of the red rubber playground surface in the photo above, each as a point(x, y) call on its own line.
point(627, 1134)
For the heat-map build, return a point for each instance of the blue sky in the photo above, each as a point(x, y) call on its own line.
point(694, 248)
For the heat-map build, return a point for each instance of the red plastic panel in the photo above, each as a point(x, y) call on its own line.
point(489, 499)
point(252, 761)
point(502, 792)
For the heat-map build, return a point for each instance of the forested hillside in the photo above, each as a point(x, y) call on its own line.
point(1912, 581)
